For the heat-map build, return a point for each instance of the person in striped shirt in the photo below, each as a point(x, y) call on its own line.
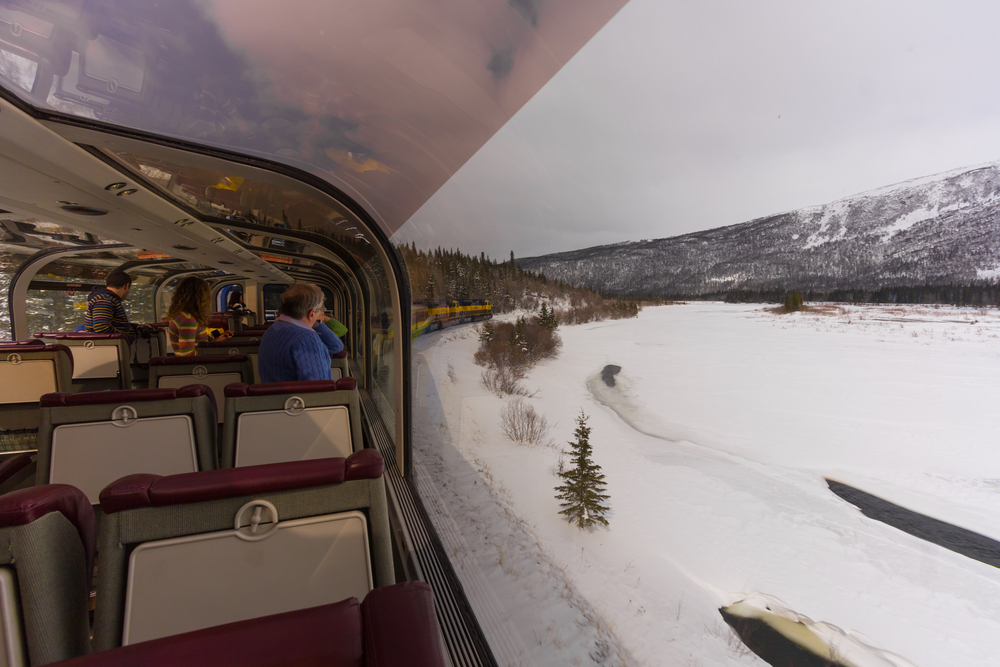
point(188, 314)
point(105, 310)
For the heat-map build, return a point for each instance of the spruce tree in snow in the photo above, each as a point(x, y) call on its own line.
point(486, 335)
point(583, 492)
point(547, 318)
point(518, 341)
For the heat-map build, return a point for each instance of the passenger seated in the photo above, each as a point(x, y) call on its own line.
point(298, 345)
point(105, 308)
point(188, 315)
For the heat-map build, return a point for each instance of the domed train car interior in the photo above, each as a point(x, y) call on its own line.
point(145, 138)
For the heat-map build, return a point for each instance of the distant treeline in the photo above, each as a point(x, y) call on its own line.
point(444, 274)
point(979, 295)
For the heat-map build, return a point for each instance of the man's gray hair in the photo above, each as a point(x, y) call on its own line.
point(300, 298)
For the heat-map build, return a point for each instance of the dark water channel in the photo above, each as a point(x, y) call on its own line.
point(778, 650)
point(772, 646)
point(609, 373)
point(981, 548)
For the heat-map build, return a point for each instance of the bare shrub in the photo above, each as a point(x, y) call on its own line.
point(581, 312)
point(508, 350)
point(520, 423)
point(505, 381)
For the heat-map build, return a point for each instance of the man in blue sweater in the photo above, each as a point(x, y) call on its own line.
point(298, 345)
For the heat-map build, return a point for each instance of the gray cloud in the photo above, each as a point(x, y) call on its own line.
point(685, 116)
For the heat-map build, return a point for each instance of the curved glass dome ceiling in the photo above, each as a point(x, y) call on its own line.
point(385, 99)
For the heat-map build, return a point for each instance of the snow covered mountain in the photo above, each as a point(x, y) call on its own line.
point(942, 229)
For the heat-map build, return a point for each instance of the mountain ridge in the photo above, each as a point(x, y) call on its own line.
point(932, 230)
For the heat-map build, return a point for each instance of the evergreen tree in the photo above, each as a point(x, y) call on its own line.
point(517, 337)
point(486, 335)
point(583, 492)
point(547, 318)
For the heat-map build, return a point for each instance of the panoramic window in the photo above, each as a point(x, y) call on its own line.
point(744, 345)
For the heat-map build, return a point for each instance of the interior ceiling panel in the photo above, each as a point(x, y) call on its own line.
point(385, 99)
point(45, 177)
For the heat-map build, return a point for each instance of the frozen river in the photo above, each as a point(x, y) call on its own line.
point(716, 439)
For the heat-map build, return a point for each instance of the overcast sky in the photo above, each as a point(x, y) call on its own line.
point(682, 116)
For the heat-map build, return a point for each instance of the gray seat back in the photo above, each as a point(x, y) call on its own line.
point(91, 439)
point(46, 561)
point(100, 361)
point(213, 371)
point(191, 551)
point(28, 371)
point(290, 421)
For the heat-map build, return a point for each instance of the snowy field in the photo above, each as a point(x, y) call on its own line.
point(715, 441)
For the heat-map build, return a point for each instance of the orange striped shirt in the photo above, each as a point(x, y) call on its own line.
point(185, 333)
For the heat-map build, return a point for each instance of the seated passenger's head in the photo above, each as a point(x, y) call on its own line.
point(302, 301)
point(194, 298)
point(119, 282)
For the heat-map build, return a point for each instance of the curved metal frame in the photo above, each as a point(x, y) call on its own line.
point(357, 294)
point(19, 284)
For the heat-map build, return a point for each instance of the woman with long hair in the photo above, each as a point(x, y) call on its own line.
point(188, 314)
point(236, 302)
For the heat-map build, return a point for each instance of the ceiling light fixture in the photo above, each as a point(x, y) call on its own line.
point(125, 193)
point(184, 222)
point(115, 186)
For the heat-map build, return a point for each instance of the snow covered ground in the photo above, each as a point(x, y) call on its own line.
point(715, 441)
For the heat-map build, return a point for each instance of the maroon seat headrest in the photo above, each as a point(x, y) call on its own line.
point(19, 508)
point(340, 355)
point(329, 635)
point(13, 465)
point(21, 344)
point(79, 335)
point(144, 490)
point(198, 360)
point(124, 396)
point(239, 389)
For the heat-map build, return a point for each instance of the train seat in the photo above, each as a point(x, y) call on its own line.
point(91, 439)
point(394, 625)
point(187, 552)
point(235, 345)
point(338, 365)
point(214, 371)
point(46, 563)
point(29, 369)
point(290, 421)
point(100, 361)
point(250, 346)
point(144, 349)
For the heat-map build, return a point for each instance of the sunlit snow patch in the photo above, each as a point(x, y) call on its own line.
point(783, 637)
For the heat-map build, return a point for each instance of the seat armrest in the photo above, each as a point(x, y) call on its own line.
point(400, 627)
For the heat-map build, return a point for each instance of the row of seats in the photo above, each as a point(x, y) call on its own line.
point(68, 362)
point(89, 439)
point(184, 553)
